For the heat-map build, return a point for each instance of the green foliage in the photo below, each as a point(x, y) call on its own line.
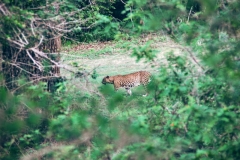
point(101, 25)
point(188, 114)
point(85, 19)
point(144, 52)
point(94, 74)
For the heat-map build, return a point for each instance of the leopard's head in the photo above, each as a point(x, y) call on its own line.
point(107, 79)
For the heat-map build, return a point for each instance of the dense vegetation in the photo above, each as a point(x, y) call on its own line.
point(191, 112)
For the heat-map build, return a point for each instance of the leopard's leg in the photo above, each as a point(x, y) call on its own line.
point(116, 87)
point(145, 88)
point(129, 91)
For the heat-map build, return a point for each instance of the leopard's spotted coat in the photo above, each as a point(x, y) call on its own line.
point(128, 81)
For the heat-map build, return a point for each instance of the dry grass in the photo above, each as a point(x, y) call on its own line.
point(120, 61)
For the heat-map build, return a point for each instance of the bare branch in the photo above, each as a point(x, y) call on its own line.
point(189, 14)
point(32, 81)
point(20, 39)
point(42, 54)
point(21, 68)
point(40, 67)
point(56, 26)
point(26, 41)
point(193, 57)
point(32, 28)
point(20, 45)
point(17, 55)
point(4, 10)
point(123, 2)
point(41, 40)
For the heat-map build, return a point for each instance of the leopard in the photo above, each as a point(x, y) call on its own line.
point(128, 81)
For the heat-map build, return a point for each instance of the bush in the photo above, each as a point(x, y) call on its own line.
point(187, 115)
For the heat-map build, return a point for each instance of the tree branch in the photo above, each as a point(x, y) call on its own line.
point(39, 65)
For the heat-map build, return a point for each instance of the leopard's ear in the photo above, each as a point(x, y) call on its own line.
point(107, 77)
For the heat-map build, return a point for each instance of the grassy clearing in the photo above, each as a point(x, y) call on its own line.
point(113, 58)
point(116, 58)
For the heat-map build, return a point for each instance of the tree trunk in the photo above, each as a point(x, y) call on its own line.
point(17, 64)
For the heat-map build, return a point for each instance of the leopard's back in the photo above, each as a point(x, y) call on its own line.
point(132, 79)
point(145, 77)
